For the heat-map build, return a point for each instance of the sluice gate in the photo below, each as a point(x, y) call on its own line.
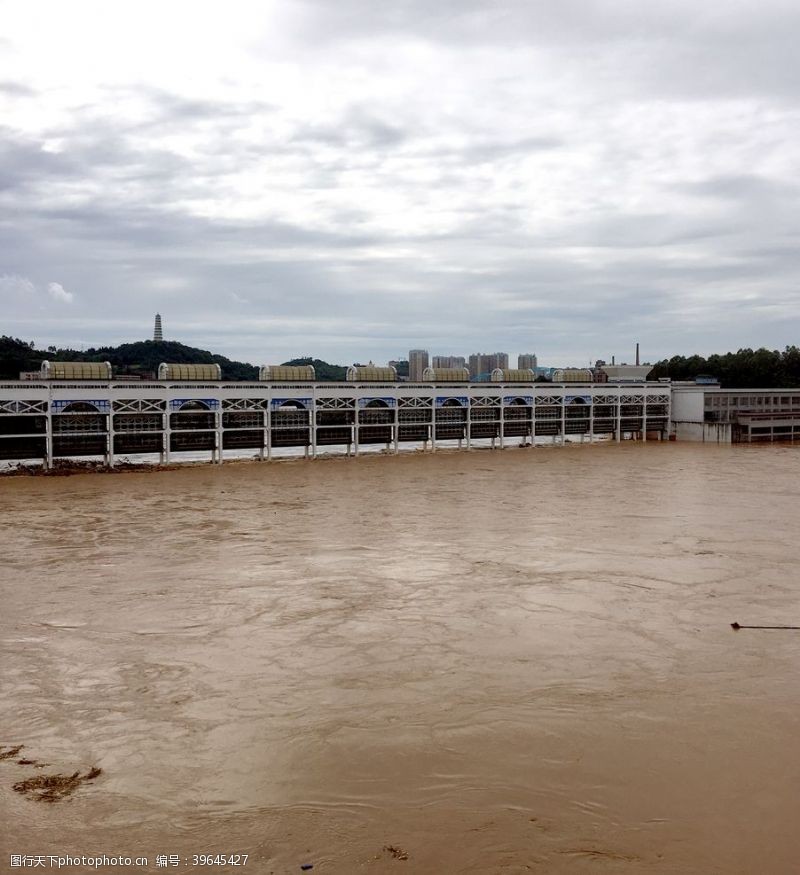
point(55, 419)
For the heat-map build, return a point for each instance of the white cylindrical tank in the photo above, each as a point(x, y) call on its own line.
point(168, 371)
point(371, 374)
point(287, 373)
point(76, 370)
point(572, 375)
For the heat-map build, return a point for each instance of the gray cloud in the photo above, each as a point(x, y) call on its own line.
point(560, 178)
point(16, 89)
point(746, 186)
point(674, 47)
point(358, 128)
point(23, 161)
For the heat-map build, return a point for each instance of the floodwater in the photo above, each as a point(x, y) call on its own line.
point(495, 662)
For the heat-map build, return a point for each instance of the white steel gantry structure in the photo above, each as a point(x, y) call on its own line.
point(52, 419)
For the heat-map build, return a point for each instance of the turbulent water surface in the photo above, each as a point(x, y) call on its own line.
point(463, 662)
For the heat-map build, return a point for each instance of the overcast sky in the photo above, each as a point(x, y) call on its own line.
point(349, 179)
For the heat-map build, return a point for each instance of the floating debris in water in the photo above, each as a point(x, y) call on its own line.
point(67, 467)
point(397, 853)
point(11, 752)
point(54, 788)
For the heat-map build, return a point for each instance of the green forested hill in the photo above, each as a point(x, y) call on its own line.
point(140, 359)
point(16, 356)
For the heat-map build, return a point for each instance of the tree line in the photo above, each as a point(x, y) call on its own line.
point(744, 369)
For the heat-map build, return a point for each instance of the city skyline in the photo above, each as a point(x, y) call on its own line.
point(426, 358)
point(582, 174)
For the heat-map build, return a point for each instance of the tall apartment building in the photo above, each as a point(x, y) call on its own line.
point(485, 363)
point(526, 360)
point(449, 361)
point(417, 362)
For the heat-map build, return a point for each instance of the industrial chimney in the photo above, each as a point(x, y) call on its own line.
point(637, 355)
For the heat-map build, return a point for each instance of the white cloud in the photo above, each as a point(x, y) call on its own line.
point(15, 286)
point(58, 293)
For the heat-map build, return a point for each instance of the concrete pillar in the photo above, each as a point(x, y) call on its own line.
point(314, 429)
point(110, 438)
point(48, 442)
point(264, 416)
point(167, 436)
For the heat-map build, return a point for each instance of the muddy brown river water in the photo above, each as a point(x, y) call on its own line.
point(494, 662)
